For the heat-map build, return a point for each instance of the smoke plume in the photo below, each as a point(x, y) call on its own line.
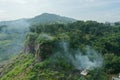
point(90, 60)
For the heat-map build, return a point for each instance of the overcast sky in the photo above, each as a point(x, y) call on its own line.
point(99, 10)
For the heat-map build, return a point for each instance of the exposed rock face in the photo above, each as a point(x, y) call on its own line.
point(29, 48)
point(43, 51)
point(41, 46)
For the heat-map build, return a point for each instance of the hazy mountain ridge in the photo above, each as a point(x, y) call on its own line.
point(13, 33)
point(43, 19)
point(51, 18)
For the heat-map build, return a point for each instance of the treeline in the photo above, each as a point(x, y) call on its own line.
point(103, 37)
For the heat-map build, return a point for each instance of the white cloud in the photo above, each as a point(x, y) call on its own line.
point(80, 9)
point(90, 0)
point(2, 11)
point(14, 1)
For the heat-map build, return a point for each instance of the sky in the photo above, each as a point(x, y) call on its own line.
point(97, 10)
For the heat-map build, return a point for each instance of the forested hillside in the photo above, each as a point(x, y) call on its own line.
point(12, 33)
point(11, 41)
point(62, 51)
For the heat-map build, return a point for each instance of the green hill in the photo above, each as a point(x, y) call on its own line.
point(13, 33)
point(61, 51)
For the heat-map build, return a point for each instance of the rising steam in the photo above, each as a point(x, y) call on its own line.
point(90, 60)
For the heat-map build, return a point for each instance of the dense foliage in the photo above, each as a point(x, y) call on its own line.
point(11, 41)
point(40, 62)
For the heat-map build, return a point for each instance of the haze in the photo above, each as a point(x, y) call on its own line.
point(99, 10)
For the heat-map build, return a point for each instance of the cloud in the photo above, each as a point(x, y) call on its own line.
point(15, 1)
point(2, 11)
point(79, 9)
point(90, 0)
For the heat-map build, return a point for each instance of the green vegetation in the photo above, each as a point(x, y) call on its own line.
point(43, 59)
point(12, 33)
point(10, 44)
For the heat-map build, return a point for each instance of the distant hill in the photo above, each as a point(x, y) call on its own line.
point(45, 18)
point(51, 18)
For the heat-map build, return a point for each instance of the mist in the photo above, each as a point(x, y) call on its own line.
point(89, 60)
point(46, 36)
point(14, 34)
